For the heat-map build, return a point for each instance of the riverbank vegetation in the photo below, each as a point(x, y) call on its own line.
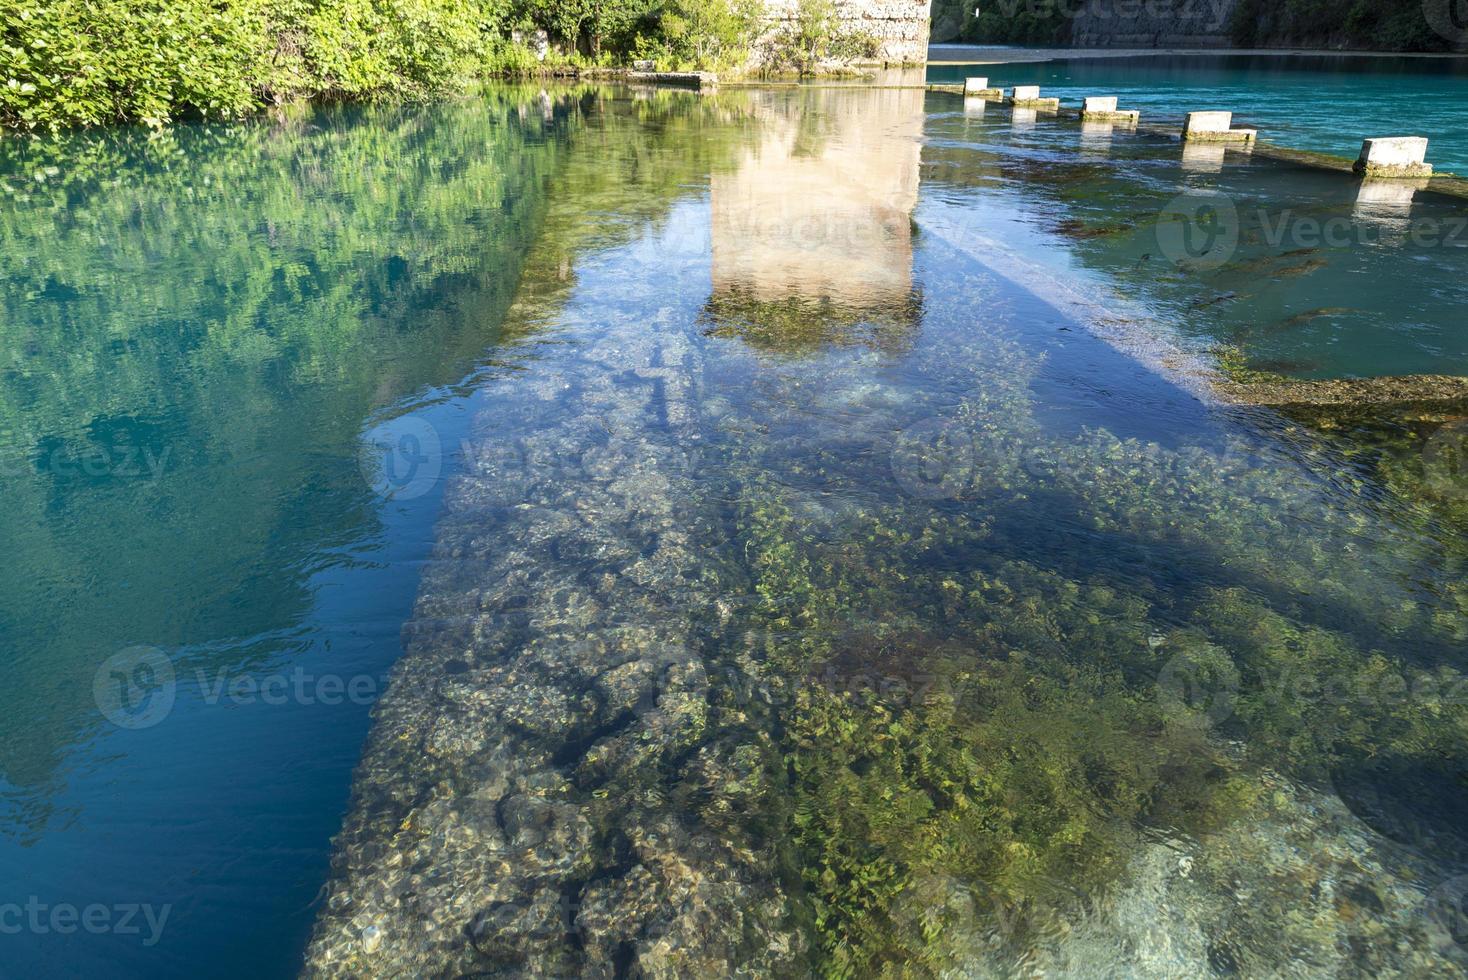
point(1381, 25)
point(93, 62)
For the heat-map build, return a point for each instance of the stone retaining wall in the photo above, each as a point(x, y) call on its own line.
point(900, 25)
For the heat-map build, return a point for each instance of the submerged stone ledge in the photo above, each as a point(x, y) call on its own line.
point(545, 792)
point(1404, 390)
point(698, 80)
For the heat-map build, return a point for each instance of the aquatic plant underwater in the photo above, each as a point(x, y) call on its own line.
point(785, 638)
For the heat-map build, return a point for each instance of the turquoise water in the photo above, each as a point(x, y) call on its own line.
point(1308, 273)
point(192, 361)
point(1327, 103)
point(657, 448)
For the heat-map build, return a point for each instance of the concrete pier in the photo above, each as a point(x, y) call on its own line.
point(1394, 156)
point(978, 88)
point(1029, 97)
point(1102, 108)
point(1215, 126)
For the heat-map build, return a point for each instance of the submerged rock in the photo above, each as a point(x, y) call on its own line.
point(1300, 887)
point(512, 815)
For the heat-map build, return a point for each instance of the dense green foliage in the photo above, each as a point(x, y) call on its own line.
point(1023, 23)
point(116, 60)
point(80, 62)
point(1386, 25)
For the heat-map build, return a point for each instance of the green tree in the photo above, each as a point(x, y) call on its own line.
point(815, 39)
point(710, 34)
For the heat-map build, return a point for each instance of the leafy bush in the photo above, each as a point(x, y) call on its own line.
point(701, 34)
point(102, 61)
point(814, 39)
point(92, 62)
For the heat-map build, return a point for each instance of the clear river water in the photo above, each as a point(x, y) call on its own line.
point(595, 530)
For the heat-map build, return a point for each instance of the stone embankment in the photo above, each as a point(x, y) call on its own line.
point(900, 26)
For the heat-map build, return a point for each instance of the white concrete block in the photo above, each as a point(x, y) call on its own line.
point(1026, 93)
point(1394, 151)
point(971, 85)
point(1209, 122)
point(1394, 156)
point(1099, 103)
point(1215, 126)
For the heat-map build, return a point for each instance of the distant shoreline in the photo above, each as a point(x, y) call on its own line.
point(979, 54)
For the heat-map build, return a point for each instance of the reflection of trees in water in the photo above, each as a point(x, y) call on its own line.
point(231, 302)
point(235, 301)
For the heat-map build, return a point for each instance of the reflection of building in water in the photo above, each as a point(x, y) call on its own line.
point(812, 228)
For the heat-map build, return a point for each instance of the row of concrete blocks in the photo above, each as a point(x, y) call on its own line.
point(1382, 156)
